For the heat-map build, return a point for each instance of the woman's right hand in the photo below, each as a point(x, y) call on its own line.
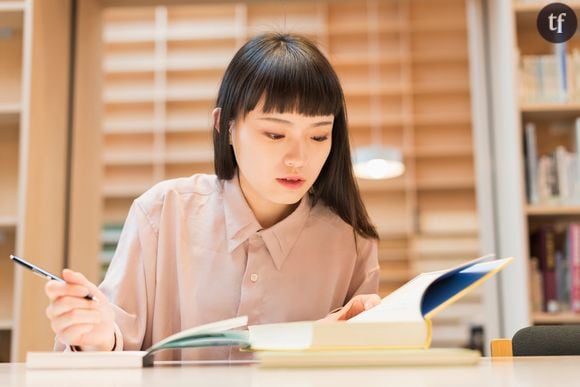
point(76, 320)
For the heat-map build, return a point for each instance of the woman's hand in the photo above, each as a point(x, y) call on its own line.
point(356, 305)
point(76, 320)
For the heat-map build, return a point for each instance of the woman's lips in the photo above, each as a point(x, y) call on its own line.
point(290, 183)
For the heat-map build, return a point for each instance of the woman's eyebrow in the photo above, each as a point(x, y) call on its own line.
point(280, 120)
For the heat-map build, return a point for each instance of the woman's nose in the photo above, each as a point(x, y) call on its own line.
point(295, 156)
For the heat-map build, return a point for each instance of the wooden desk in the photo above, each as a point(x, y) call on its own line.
point(540, 371)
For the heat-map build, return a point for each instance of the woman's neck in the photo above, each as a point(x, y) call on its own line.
point(267, 213)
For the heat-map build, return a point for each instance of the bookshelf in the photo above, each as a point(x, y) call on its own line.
point(11, 46)
point(404, 66)
point(548, 106)
point(33, 159)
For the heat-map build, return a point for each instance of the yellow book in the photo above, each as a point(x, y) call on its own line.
point(402, 320)
point(438, 357)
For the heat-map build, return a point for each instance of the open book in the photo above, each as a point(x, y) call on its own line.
point(401, 321)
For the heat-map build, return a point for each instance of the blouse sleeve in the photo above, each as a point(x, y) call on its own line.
point(128, 284)
point(365, 278)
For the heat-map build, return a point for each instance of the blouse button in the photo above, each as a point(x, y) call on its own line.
point(254, 277)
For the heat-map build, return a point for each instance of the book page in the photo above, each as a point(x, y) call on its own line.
point(404, 304)
point(218, 326)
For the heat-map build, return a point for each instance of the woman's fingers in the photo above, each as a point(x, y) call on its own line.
point(66, 303)
point(76, 277)
point(355, 306)
point(55, 290)
point(75, 317)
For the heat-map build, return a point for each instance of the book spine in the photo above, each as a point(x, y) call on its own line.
point(561, 156)
point(532, 163)
point(536, 285)
point(574, 265)
point(576, 162)
point(544, 190)
point(545, 251)
point(561, 71)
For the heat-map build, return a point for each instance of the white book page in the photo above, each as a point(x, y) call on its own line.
point(404, 304)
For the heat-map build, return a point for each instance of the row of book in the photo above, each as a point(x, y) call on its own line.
point(555, 268)
point(550, 78)
point(552, 179)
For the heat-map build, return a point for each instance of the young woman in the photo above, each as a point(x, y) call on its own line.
point(278, 234)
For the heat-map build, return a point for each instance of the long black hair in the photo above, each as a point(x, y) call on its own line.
point(292, 75)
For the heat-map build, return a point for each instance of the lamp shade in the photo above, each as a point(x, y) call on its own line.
point(378, 162)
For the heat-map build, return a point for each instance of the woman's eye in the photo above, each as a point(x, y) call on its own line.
point(274, 136)
point(320, 138)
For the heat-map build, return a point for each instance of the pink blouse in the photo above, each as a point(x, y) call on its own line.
point(192, 252)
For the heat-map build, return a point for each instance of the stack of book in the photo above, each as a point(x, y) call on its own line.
point(554, 178)
point(555, 268)
point(550, 78)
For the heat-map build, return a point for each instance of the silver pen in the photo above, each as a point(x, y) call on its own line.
point(43, 273)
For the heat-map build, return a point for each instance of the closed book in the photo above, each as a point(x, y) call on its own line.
point(370, 358)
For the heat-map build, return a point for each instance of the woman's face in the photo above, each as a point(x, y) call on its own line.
point(280, 155)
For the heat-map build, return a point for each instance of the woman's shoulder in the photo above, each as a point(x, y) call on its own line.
point(198, 184)
point(327, 221)
point(322, 216)
point(183, 188)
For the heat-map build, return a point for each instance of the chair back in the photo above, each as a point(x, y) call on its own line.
point(547, 340)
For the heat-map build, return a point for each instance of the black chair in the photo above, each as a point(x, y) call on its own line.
point(542, 340)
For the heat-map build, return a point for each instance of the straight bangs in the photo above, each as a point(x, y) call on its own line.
point(290, 80)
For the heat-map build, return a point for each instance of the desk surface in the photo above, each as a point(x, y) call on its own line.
point(540, 371)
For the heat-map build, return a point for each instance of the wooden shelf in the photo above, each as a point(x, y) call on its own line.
point(434, 57)
point(442, 118)
point(367, 185)
point(6, 324)
point(550, 111)
point(129, 158)
point(395, 276)
point(552, 210)
point(9, 114)
point(195, 124)
point(440, 88)
point(443, 151)
point(125, 191)
point(8, 221)
point(172, 34)
point(9, 108)
point(534, 7)
point(192, 157)
point(556, 318)
point(364, 90)
point(444, 184)
point(12, 6)
point(362, 27)
point(453, 25)
point(137, 96)
point(364, 60)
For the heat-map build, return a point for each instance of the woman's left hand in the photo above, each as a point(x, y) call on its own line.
point(356, 305)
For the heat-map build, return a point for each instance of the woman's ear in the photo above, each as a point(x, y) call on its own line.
point(216, 113)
